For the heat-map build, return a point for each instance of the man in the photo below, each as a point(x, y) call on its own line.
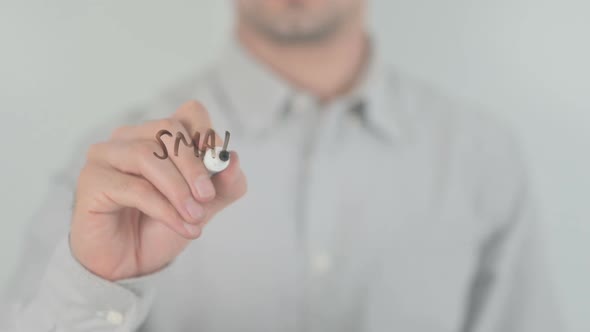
point(373, 204)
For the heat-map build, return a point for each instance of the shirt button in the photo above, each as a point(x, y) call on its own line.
point(321, 263)
point(114, 317)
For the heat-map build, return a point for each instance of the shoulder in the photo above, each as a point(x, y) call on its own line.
point(432, 114)
point(476, 147)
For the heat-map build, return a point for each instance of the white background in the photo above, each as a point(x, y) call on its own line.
point(67, 65)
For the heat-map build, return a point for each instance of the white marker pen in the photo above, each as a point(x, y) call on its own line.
point(217, 160)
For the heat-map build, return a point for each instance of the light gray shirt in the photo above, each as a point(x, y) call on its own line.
point(392, 208)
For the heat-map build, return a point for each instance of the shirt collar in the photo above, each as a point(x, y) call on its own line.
point(257, 95)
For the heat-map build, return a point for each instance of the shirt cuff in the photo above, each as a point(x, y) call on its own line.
point(76, 299)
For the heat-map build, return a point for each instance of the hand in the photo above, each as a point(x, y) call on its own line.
point(134, 213)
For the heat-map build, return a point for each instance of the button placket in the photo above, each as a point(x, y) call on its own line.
point(113, 317)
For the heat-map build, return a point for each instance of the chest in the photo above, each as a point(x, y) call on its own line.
point(334, 230)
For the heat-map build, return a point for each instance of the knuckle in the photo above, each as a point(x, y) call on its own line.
point(192, 105)
point(85, 173)
point(94, 151)
point(170, 124)
point(166, 123)
point(192, 109)
point(120, 132)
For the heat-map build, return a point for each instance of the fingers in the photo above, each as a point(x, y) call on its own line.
point(231, 184)
point(136, 157)
point(182, 138)
point(185, 157)
point(168, 162)
point(125, 190)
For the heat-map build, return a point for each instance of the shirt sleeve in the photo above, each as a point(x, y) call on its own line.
point(50, 290)
point(512, 290)
point(507, 285)
point(70, 298)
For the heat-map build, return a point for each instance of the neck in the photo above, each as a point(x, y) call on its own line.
point(325, 69)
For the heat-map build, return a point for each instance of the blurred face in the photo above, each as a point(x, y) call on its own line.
point(298, 21)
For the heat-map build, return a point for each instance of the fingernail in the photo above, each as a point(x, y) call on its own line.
point(194, 230)
point(204, 187)
point(194, 209)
